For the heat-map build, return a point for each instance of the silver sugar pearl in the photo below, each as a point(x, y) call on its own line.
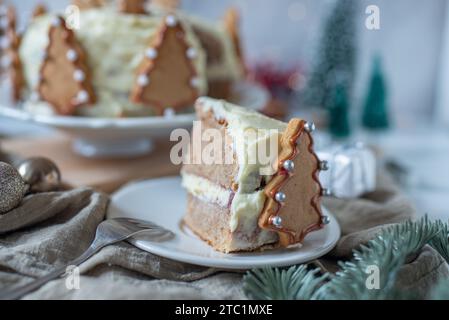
point(171, 21)
point(56, 22)
point(289, 165)
point(326, 192)
point(41, 174)
point(325, 220)
point(324, 165)
point(151, 53)
point(12, 188)
point(280, 196)
point(82, 96)
point(276, 221)
point(72, 55)
point(79, 75)
point(191, 53)
point(143, 80)
point(169, 112)
point(309, 126)
point(195, 82)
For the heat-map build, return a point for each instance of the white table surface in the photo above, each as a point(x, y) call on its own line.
point(424, 151)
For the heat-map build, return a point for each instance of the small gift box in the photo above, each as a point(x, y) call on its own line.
point(352, 170)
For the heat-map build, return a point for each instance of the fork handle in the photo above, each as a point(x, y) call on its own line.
point(33, 285)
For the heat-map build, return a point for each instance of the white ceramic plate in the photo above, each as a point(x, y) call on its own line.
point(163, 201)
point(115, 137)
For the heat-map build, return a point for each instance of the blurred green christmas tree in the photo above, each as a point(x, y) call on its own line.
point(335, 62)
point(339, 113)
point(375, 110)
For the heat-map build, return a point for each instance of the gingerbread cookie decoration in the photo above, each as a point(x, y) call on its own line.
point(65, 80)
point(292, 207)
point(132, 6)
point(166, 78)
point(11, 18)
point(88, 4)
point(11, 61)
point(168, 5)
point(231, 22)
point(39, 10)
point(211, 44)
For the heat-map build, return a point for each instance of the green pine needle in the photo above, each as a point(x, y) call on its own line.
point(441, 242)
point(388, 252)
point(296, 283)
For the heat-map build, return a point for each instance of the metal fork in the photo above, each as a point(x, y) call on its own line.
point(108, 232)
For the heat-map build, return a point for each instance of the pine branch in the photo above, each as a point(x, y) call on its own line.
point(388, 252)
point(296, 283)
point(441, 241)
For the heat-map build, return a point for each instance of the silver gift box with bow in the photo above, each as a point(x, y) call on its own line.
point(352, 170)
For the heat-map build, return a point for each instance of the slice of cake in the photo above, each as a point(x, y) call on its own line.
point(251, 180)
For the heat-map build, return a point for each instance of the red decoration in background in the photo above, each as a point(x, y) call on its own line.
point(280, 82)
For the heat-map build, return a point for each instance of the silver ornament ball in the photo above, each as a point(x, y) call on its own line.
point(325, 220)
point(309, 126)
point(280, 196)
point(276, 221)
point(326, 192)
point(41, 174)
point(289, 165)
point(324, 165)
point(12, 188)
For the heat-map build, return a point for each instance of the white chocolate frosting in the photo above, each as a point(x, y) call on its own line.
point(115, 44)
point(252, 132)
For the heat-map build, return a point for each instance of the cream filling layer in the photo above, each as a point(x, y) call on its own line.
point(245, 208)
point(205, 190)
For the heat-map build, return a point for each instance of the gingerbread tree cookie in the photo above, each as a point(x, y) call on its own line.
point(169, 5)
point(292, 207)
point(132, 6)
point(166, 77)
point(39, 10)
point(65, 82)
point(231, 23)
point(11, 58)
point(87, 4)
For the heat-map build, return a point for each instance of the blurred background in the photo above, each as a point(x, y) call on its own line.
point(287, 33)
point(369, 70)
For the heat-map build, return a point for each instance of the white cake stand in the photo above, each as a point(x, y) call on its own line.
point(127, 137)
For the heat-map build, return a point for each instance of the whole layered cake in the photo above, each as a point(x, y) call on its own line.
point(258, 185)
point(124, 59)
